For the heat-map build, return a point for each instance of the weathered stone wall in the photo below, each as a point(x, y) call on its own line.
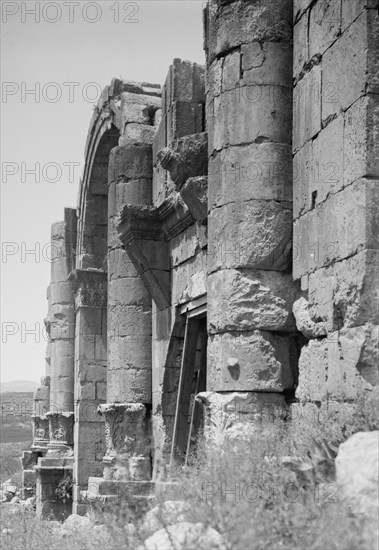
point(182, 115)
point(192, 199)
point(336, 170)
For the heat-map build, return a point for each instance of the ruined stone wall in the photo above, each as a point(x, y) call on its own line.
point(180, 128)
point(113, 308)
point(336, 169)
point(246, 190)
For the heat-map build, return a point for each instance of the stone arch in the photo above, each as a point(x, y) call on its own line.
point(103, 136)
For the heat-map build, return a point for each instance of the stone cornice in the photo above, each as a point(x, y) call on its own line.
point(145, 232)
point(155, 223)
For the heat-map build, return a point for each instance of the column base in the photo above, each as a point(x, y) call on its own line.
point(139, 495)
point(54, 487)
point(127, 441)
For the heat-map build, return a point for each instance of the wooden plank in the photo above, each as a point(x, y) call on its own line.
point(185, 384)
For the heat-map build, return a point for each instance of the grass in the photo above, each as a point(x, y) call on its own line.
point(241, 488)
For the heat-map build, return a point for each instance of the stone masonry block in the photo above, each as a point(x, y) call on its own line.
point(321, 237)
point(361, 139)
point(231, 71)
point(254, 171)
point(254, 234)
point(184, 118)
point(250, 299)
point(275, 68)
point(300, 47)
point(138, 108)
point(324, 25)
point(350, 66)
point(299, 7)
point(130, 321)
point(135, 191)
point(61, 293)
point(328, 161)
point(250, 361)
point(352, 10)
point(214, 79)
point(137, 132)
point(233, 23)
point(128, 291)
point(131, 162)
point(101, 391)
point(250, 113)
point(120, 265)
point(92, 373)
point(87, 391)
point(187, 244)
point(160, 138)
point(129, 385)
point(189, 279)
point(313, 366)
point(333, 368)
point(125, 353)
point(303, 179)
point(307, 107)
point(345, 293)
point(184, 82)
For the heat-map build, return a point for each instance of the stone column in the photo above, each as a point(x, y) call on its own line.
point(62, 326)
point(251, 346)
point(129, 324)
point(55, 466)
point(90, 376)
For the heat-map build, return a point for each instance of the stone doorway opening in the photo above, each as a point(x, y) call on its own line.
point(188, 420)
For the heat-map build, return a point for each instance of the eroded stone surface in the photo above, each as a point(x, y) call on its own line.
point(252, 360)
point(250, 299)
point(340, 366)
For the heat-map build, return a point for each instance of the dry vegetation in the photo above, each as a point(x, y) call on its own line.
point(240, 487)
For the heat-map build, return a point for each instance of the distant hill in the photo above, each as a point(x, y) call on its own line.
point(18, 386)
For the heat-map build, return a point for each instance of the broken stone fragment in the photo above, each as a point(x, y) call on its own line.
point(187, 157)
point(195, 194)
point(357, 467)
point(304, 323)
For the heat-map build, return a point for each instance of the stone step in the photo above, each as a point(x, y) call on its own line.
point(98, 486)
point(55, 463)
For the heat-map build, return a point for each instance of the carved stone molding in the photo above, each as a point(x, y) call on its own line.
point(40, 430)
point(61, 428)
point(127, 441)
point(90, 287)
point(145, 232)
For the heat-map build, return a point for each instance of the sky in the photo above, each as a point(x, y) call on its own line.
point(55, 59)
